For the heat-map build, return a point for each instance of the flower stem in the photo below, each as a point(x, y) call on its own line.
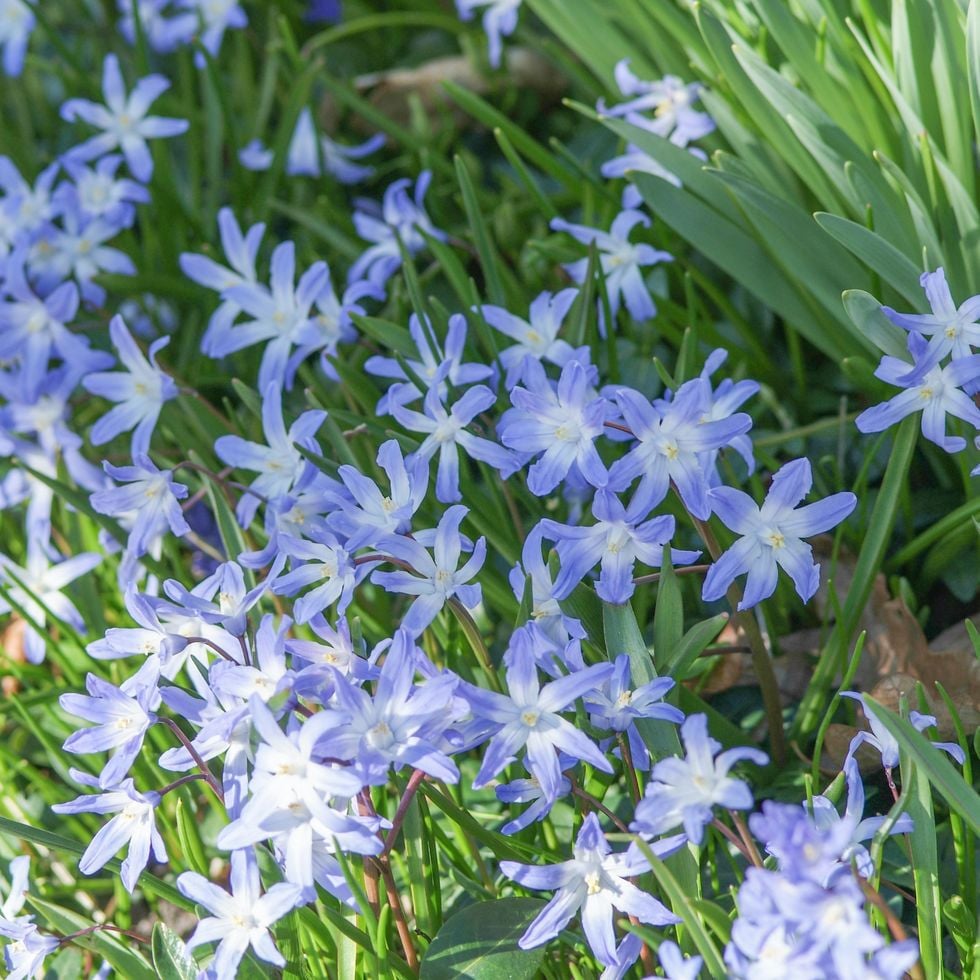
point(761, 661)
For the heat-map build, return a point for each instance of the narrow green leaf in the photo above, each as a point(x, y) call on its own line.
point(880, 255)
point(170, 957)
point(873, 548)
point(681, 902)
point(126, 962)
point(489, 259)
point(866, 315)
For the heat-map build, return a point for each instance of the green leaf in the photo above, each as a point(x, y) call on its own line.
point(933, 763)
point(170, 957)
point(694, 642)
point(668, 615)
point(925, 867)
point(865, 313)
point(489, 259)
point(124, 961)
point(878, 254)
point(681, 902)
point(973, 62)
point(873, 548)
point(480, 943)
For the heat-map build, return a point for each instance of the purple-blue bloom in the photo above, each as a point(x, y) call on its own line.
point(402, 724)
point(321, 559)
point(617, 706)
point(123, 119)
point(36, 590)
point(133, 827)
point(499, 21)
point(16, 26)
point(529, 718)
point(240, 919)
point(434, 367)
point(683, 792)
point(561, 422)
point(445, 434)
point(435, 578)
point(310, 157)
point(952, 330)
point(122, 719)
point(936, 395)
point(142, 389)
point(597, 882)
point(401, 221)
point(373, 514)
point(881, 739)
point(622, 263)
point(149, 504)
point(98, 193)
point(282, 468)
point(674, 439)
point(669, 100)
point(536, 337)
point(619, 538)
point(241, 251)
point(278, 314)
point(772, 535)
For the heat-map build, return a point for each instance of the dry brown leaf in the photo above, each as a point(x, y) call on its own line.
point(393, 92)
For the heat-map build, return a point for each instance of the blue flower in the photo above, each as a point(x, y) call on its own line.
point(323, 560)
point(617, 706)
point(132, 827)
point(122, 719)
point(621, 262)
point(401, 725)
point(16, 27)
point(142, 390)
point(683, 792)
point(163, 33)
point(36, 590)
point(306, 158)
point(560, 422)
point(216, 16)
point(669, 100)
point(545, 612)
point(373, 514)
point(617, 540)
point(34, 329)
point(499, 21)
point(936, 395)
point(529, 717)
point(241, 251)
point(150, 504)
point(887, 745)
point(673, 439)
point(435, 578)
point(595, 881)
point(401, 221)
point(329, 325)
point(24, 956)
point(98, 193)
point(826, 819)
point(536, 337)
point(435, 368)
point(772, 535)
point(281, 467)
point(446, 434)
point(241, 919)
point(954, 330)
point(278, 313)
point(123, 119)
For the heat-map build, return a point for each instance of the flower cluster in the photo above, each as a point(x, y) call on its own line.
point(327, 642)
